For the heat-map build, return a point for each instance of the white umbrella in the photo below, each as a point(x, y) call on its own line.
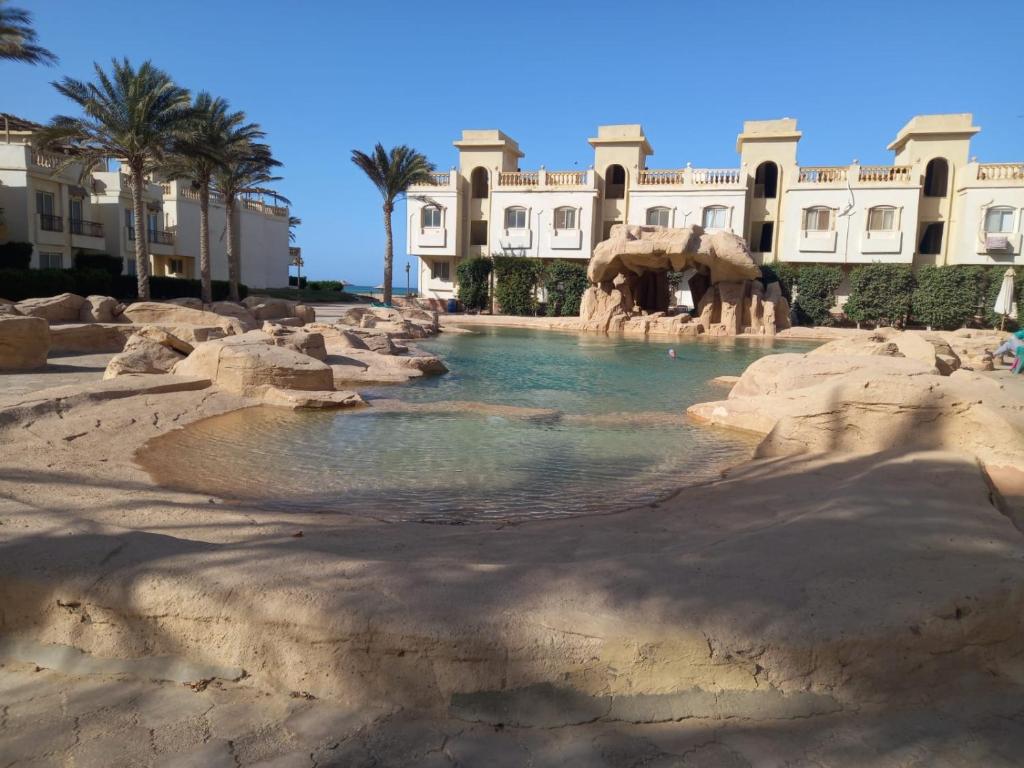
point(1005, 304)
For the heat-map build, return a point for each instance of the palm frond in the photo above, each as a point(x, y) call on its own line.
point(395, 171)
point(18, 37)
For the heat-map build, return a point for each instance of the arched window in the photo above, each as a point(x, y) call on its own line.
point(615, 182)
point(766, 180)
point(658, 217)
point(936, 177)
point(882, 218)
point(818, 219)
point(478, 183)
point(715, 217)
point(515, 217)
point(999, 220)
point(565, 218)
point(430, 216)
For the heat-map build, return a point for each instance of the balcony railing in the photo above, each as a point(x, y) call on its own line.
point(87, 228)
point(715, 175)
point(47, 159)
point(265, 208)
point(565, 178)
point(154, 236)
point(660, 177)
point(822, 174)
point(51, 223)
point(884, 173)
point(1001, 172)
point(518, 178)
point(702, 177)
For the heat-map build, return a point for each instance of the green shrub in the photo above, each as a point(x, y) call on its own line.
point(816, 291)
point(15, 256)
point(880, 294)
point(565, 282)
point(947, 298)
point(516, 287)
point(103, 261)
point(326, 285)
point(19, 284)
point(474, 276)
point(783, 274)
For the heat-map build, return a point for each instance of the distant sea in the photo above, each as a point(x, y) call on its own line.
point(395, 290)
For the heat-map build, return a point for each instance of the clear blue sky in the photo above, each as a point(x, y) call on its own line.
point(326, 77)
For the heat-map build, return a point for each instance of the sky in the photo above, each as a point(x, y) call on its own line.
point(323, 78)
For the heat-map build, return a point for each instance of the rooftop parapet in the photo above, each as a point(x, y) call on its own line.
point(782, 129)
point(936, 126)
point(488, 139)
point(626, 134)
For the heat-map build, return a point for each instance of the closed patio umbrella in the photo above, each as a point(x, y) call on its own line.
point(1005, 303)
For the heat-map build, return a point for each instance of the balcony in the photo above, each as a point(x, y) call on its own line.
point(545, 179)
point(868, 175)
point(86, 228)
point(1000, 172)
point(154, 236)
point(50, 223)
point(822, 174)
point(701, 178)
point(438, 180)
point(874, 174)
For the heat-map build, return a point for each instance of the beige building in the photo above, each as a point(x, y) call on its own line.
point(61, 214)
point(934, 205)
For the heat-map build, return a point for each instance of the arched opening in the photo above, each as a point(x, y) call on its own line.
point(936, 177)
point(615, 182)
point(478, 183)
point(766, 180)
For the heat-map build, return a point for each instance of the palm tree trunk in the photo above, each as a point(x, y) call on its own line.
point(206, 288)
point(141, 243)
point(229, 235)
point(388, 253)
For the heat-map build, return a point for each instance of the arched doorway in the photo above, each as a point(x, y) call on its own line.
point(615, 182)
point(478, 183)
point(766, 180)
point(936, 177)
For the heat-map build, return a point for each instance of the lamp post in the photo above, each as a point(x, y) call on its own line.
point(407, 280)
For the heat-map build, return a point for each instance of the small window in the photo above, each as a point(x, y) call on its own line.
point(999, 220)
point(715, 217)
point(430, 217)
point(565, 218)
point(657, 217)
point(515, 218)
point(440, 270)
point(478, 233)
point(762, 235)
point(818, 219)
point(478, 183)
point(44, 203)
point(882, 218)
point(931, 239)
point(51, 261)
point(176, 266)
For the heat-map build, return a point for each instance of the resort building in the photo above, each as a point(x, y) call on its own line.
point(935, 204)
point(61, 214)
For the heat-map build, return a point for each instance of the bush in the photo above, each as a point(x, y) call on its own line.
point(327, 285)
point(20, 284)
point(816, 291)
point(15, 255)
point(880, 294)
point(474, 276)
point(947, 298)
point(565, 282)
point(783, 274)
point(516, 288)
point(103, 261)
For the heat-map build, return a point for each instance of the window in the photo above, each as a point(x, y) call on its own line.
point(715, 217)
point(761, 236)
point(658, 217)
point(882, 218)
point(75, 208)
point(51, 261)
point(478, 183)
point(176, 266)
point(152, 225)
point(999, 220)
point(766, 180)
point(818, 219)
point(565, 218)
point(931, 239)
point(440, 270)
point(478, 233)
point(936, 176)
point(615, 182)
point(430, 217)
point(515, 218)
point(44, 203)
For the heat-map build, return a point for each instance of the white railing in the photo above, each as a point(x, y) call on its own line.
point(47, 159)
point(439, 179)
point(884, 173)
point(715, 175)
point(518, 178)
point(660, 177)
point(1001, 171)
point(565, 178)
point(265, 208)
point(822, 174)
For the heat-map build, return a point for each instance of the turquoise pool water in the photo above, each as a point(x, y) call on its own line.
point(527, 424)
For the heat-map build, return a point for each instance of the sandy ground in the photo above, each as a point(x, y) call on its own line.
point(811, 610)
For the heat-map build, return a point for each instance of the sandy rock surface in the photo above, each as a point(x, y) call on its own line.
point(100, 309)
point(24, 342)
point(172, 314)
point(64, 308)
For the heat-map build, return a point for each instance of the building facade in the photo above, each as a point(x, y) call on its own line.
point(62, 213)
point(934, 205)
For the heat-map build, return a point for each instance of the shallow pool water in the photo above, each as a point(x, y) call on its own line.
point(527, 424)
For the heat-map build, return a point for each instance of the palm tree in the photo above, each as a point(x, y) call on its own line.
point(245, 171)
point(130, 114)
point(213, 133)
point(293, 222)
point(392, 173)
point(18, 37)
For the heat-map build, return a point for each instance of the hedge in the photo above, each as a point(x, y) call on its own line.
point(15, 255)
point(946, 298)
point(474, 275)
point(565, 282)
point(19, 284)
point(816, 291)
point(880, 294)
point(103, 261)
point(516, 289)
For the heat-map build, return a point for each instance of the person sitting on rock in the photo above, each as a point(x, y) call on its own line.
point(1012, 346)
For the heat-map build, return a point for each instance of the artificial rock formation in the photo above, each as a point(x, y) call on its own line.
point(24, 343)
point(629, 272)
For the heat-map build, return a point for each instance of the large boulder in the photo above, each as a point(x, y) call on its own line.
point(100, 309)
point(187, 301)
point(150, 351)
point(929, 348)
point(24, 343)
point(64, 308)
point(379, 342)
point(164, 337)
point(307, 342)
point(305, 313)
point(251, 366)
point(237, 311)
point(168, 314)
point(89, 337)
point(264, 308)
